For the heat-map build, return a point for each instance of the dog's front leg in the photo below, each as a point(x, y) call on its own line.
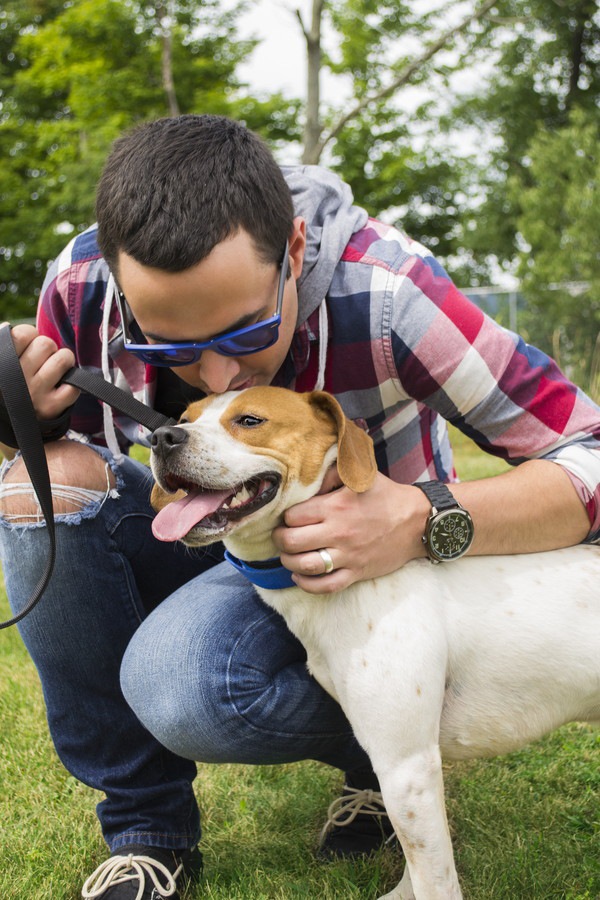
point(413, 793)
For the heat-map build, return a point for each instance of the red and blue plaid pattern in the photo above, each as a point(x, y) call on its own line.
point(406, 352)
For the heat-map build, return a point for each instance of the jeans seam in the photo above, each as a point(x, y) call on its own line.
point(242, 715)
point(131, 837)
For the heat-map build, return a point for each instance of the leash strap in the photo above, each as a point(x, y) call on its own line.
point(94, 384)
point(17, 399)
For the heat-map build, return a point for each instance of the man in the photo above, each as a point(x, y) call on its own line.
point(211, 269)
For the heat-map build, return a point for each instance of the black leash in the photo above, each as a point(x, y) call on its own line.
point(25, 425)
point(93, 384)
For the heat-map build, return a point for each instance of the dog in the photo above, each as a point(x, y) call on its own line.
point(468, 659)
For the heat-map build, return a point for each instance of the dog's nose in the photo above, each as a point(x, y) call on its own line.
point(167, 438)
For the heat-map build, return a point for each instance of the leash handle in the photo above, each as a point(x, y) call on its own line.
point(28, 435)
point(19, 405)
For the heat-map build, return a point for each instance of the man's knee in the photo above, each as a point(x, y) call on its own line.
point(78, 476)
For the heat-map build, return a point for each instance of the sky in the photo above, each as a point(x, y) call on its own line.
point(278, 63)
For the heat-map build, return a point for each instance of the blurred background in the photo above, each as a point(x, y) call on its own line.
point(472, 125)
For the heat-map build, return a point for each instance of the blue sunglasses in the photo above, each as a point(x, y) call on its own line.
point(242, 342)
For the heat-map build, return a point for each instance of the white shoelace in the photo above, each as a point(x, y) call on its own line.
point(352, 803)
point(118, 869)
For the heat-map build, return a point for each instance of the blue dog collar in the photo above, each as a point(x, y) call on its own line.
point(270, 574)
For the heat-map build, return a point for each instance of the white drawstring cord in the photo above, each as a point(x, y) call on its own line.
point(323, 339)
point(107, 412)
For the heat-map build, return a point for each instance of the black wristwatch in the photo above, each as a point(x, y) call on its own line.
point(449, 530)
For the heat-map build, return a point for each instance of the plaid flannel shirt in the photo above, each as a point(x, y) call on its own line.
point(406, 352)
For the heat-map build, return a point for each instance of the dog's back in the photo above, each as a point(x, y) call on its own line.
point(509, 645)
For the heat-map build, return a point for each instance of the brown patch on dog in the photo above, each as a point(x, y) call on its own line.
point(298, 429)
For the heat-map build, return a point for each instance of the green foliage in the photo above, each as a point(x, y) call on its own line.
point(476, 178)
point(392, 154)
point(543, 64)
point(560, 222)
point(73, 76)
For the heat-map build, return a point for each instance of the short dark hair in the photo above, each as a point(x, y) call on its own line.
point(174, 188)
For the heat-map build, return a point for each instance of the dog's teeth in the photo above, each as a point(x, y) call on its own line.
point(240, 498)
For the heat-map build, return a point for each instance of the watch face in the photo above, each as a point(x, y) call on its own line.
point(450, 534)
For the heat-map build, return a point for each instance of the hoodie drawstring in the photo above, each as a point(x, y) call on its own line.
point(107, 411)
point(323, 340)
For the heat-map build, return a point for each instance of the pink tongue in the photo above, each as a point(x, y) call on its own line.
point(177, 518)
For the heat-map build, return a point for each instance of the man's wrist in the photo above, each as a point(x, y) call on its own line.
point(449, 529)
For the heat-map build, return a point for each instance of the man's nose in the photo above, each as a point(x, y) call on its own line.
point(167, 438)
point(217, 372)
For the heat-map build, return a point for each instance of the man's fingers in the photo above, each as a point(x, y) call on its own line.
point(339, 580)
point(22, 336)
point(43, 366)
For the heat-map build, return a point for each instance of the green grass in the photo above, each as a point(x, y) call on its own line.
point(525, 827)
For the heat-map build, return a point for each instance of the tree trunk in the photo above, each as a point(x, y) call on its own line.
point(166, 38)
point(312, 125)
point(315, 140)
point(583, 14)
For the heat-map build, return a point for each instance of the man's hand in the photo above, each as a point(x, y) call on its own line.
point(366, 535)
point(43, 366)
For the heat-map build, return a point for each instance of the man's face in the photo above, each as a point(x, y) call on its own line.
point(229, 289)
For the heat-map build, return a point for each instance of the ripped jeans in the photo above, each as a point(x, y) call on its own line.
point(212, 673)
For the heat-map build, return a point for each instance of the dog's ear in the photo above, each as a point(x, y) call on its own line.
point(356, 457)
point(159, 498)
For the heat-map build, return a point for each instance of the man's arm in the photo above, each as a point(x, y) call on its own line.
point(512, 399)
point(531, 508)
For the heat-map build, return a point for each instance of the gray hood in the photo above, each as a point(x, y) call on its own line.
point(326, 204)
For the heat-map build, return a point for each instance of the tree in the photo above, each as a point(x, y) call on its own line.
point(73, 76)
point(560, 264)
point(532, 62)
point(545, 65)
point(380, 140)
point(368, 28)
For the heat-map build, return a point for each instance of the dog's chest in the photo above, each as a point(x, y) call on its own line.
point(339, 631)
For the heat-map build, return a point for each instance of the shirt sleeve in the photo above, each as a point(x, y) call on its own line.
point(55, 324)
point(507, 396)
point(69, 311)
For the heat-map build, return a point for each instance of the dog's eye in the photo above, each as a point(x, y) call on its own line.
point(183, 420)
point(248, 421)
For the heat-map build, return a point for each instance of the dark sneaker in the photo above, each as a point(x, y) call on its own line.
point(357, 825)
point(137, 872)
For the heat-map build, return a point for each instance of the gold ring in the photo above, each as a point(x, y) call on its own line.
point(326, 557)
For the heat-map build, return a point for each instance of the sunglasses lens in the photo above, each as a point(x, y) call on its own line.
point(250, 342)
point(177, 356)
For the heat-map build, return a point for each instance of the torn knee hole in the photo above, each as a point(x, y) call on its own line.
point(19, 503)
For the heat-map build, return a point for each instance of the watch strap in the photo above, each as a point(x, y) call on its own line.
point(439, 495)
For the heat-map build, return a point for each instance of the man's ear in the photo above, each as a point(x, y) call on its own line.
point(356, 457)
point(297, 246)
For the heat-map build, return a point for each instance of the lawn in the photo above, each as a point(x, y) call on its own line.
point(525, 827)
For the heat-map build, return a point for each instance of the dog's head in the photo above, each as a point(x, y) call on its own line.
point(242, 458)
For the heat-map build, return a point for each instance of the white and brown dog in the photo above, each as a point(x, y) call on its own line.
point(471, 659)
